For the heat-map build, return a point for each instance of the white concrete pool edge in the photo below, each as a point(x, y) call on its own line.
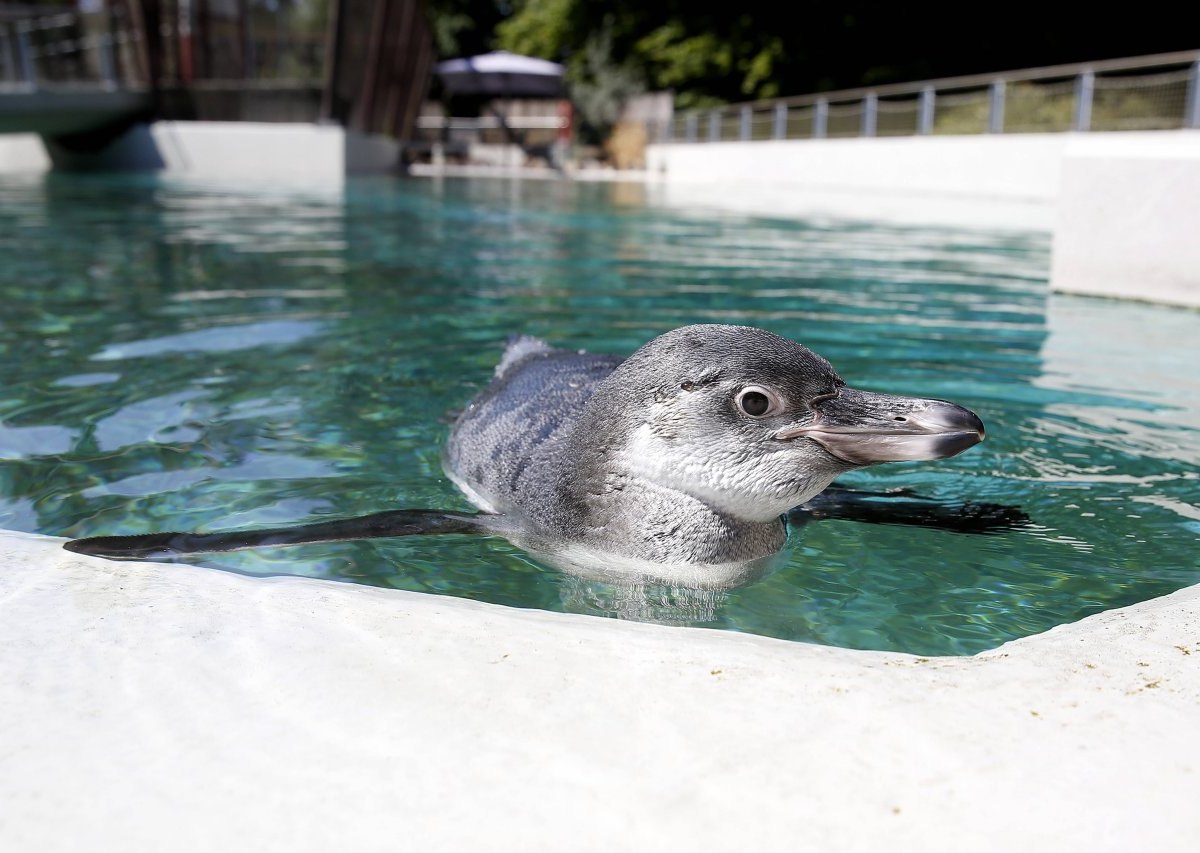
point(147, 705)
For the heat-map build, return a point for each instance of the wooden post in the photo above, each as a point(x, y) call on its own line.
point(333, 39)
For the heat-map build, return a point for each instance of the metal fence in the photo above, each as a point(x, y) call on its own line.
point(203, 42)
point(1159, 92)
point(362, 63)
point(39, 51)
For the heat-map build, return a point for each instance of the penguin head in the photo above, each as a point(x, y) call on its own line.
point(753, 424)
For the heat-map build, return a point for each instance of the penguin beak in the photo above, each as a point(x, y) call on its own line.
point(862, 428)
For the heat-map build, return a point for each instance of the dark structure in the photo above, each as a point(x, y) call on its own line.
point(382, 54)
point(365, 64)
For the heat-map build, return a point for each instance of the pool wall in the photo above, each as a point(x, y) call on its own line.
point(1124, 208)
point(1129, 216)
point(1017, 166)
point(148, 706)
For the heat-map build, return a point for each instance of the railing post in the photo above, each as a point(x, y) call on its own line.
point(6, 53)
point(714, 126)
point(820, 119)
point(744, 129)
point(25, 54)
point(1085, 84)
point(870, 114)
point(1192, 115)
point(108, 68)
point(779, 130)
point(996, 107)
point(668, 133)
point(925, 111)
point(691, 128)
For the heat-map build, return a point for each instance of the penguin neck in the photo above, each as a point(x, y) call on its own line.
point(605, 503)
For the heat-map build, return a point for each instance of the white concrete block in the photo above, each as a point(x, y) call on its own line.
point(298, 152)
point(23, 153)
point(1129, 217)
point(149, 706)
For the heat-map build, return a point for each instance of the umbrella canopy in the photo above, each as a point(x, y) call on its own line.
point(502, 74)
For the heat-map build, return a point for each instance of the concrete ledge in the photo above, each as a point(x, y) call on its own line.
point(1014, 166)
point(298, 154)
point(893, 207)
point(148, 706)
point(80, 109)
point(1129, 217)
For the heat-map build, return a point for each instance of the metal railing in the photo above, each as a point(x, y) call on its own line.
point(450, 123)
point(103, 49)
point(68, 48)
point(1158, 92)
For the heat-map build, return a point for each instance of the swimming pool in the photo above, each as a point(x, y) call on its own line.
point(183, 357)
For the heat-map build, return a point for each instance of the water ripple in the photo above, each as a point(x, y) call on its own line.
point(184, 357)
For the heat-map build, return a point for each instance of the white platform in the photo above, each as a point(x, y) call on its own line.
point(151, 707)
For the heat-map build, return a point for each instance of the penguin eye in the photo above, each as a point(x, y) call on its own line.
point(758, 402)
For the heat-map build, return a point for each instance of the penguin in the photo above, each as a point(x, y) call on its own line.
point(682, 461)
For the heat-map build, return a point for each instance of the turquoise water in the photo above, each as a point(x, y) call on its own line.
point(181, 357)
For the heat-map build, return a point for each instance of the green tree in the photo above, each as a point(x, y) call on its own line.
point(706, 56)
point(710, 51)
point(465, 27)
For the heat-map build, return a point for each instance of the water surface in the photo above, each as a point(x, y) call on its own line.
point(188, 357)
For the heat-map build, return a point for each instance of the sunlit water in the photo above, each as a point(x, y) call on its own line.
point(185, 358)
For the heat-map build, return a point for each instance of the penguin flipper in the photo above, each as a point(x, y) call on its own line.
point(401, 522)
point(904, 507)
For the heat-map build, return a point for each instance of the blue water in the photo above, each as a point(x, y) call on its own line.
point(181, 357)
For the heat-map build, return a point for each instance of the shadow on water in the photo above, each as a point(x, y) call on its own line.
point(187, 357)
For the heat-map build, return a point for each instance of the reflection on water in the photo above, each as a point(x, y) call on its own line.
point(664, 604)
point(184, 357)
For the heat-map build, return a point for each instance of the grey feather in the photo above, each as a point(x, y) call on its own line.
point(654, 458)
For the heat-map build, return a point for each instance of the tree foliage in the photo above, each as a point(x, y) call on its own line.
point(710, 52)
point(734, 50)
point(703, 56)
point(465, 27)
